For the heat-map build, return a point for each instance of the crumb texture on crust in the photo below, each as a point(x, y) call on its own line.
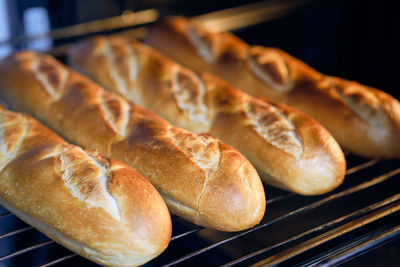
point(87, 176)
point(274, 127)
point(203, 149)
point(189, 92)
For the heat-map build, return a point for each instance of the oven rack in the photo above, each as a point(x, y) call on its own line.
point(334, 238)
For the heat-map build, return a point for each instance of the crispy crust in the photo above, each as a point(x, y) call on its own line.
point(280, 141)
point(181, 165)
point(273, 74)
point(96, 206)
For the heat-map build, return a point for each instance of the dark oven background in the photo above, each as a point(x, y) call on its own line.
point(357, 40)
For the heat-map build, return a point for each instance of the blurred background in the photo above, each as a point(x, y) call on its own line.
point(356, 40)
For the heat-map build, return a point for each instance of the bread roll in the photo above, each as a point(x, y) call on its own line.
point(201, 179)
point(364, 120)
point(295, 152)
point(96, 206)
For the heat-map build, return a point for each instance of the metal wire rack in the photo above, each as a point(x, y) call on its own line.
point(360, 215)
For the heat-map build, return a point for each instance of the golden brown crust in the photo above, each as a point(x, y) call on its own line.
point(273, 74)
point(96, 206)
point(201, 102)
point(306, 160)
point(90, 116)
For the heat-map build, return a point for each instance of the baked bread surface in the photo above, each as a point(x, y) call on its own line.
point(364, 120)
point(294, 151)
point(201, 179)
point(96, 206)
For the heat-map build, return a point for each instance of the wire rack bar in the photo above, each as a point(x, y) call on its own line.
point(97, 26)
point(320, 228)
point(59, 260)
point(368, 244)
point(279, 198)
point(15, 232)
point(195, 230)
point(247, 15)
point(4, 215)
point(341, 230)
point(362, 166)
point(25, 250)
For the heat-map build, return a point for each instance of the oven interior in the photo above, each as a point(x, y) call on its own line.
point(358, 223)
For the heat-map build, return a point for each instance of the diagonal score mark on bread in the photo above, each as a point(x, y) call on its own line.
point(116, 112)
point(88, 179)
point(52, 78)
point(189, 92)
point(207, 44)
point(13, 130)
point(273, 126)
point(271, 68)
point(363, 102)
point(119, 63)
point(113, 70)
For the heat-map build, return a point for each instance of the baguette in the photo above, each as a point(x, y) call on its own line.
point(282, 142)
point(201, 179)
point(98, 207)
point(364, 120)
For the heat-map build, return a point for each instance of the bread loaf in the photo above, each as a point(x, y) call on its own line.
point(364, 120)
point(294, 151)
point(201, 179)
point(96, 206)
